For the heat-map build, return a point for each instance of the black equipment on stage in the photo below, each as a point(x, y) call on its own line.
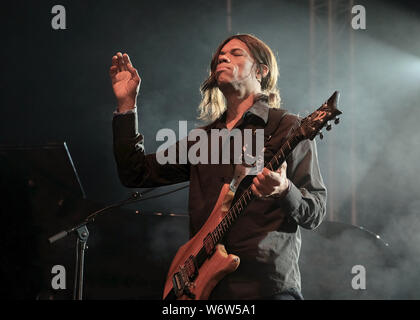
point(40, 191)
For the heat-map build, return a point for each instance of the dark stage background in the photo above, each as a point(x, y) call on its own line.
point(55, 89)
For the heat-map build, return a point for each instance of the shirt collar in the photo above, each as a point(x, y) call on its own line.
point(260, 109)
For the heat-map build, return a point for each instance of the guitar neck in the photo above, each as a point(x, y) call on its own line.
point(247, 196)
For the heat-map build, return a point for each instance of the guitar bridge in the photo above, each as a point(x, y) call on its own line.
point(178, 284)
point(182, 280)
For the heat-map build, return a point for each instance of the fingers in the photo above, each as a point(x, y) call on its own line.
point(266, 182)
point(283, 167)
point(113, 71)
point(114, 67)
point(114, 61)
point(126, 59)
point(256, 192)
point(129, 65)
point(121, 62)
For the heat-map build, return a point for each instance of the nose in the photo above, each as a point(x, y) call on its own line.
point(223, 58)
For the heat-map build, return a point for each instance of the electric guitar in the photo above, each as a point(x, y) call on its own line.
point(202, 262)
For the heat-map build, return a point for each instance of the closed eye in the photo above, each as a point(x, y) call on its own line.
point(237, 52)
point(234, 51)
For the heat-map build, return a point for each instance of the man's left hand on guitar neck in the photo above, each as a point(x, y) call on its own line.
point(271, 183)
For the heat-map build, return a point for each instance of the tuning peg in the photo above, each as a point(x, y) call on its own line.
point(337, 120)
point(329, 126)
point(321, 136)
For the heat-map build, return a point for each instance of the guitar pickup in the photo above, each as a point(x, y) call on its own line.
point(209, 244)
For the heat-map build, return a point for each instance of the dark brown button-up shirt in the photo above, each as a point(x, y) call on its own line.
point(266, 237)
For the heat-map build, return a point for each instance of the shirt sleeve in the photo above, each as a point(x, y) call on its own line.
point(306, 197)
point(117, 113)
point(135, 168)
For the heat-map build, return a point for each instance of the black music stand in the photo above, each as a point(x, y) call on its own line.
point(47, 176)
point(51, 162)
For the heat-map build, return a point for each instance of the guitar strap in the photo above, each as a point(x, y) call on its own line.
point(241, 171)
point(274, 119)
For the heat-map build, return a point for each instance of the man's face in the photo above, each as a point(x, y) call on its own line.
point(235, 64)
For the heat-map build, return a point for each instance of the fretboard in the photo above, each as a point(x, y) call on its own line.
point(247, 196)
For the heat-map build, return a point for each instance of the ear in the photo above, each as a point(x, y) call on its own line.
point(264, 69)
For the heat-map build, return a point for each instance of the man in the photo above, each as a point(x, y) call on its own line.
point(240, 93)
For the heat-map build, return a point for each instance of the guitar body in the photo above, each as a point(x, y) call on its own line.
point(217, 266)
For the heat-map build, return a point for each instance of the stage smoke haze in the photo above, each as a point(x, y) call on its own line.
point(56, 88)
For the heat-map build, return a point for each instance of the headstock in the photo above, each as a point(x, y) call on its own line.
point(312, 124)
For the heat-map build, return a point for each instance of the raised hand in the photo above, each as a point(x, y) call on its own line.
point(125, 81)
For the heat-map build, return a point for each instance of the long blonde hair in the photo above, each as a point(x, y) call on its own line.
point(213, 102)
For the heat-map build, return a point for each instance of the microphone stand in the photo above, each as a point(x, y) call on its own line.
point(82, 237)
